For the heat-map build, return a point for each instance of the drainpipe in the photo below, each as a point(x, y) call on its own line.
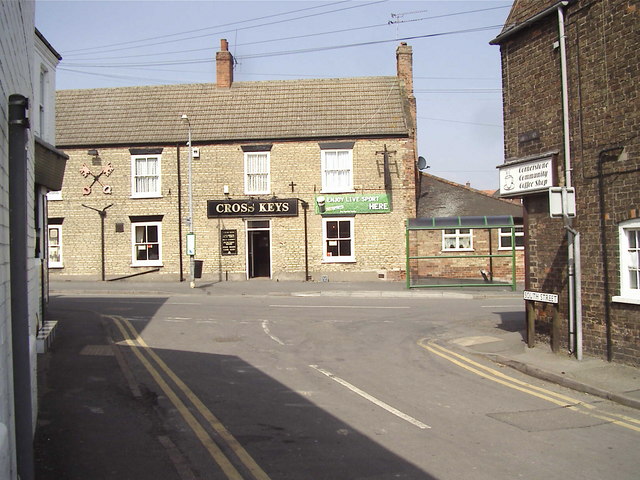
point(19, 236)
point(573, 237)
point(180, 258)
point(305, 207)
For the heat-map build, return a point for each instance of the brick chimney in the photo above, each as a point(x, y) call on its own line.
point(404, 57)
point(224, 65)
point(404, 63)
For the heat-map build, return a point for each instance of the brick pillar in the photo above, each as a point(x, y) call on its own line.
point(224, 65)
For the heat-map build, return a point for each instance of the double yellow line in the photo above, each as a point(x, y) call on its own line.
point(543, 393)
point(156, 368)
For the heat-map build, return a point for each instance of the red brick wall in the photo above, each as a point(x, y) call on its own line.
point(429, 243)
point(603, 60)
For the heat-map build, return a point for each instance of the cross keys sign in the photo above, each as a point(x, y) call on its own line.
point(106, 171)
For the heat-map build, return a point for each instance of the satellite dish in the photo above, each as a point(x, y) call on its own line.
point(422, 163)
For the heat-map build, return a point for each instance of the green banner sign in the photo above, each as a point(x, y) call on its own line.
point(351, 203)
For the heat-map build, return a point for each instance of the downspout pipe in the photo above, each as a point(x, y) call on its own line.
point(565, 95)
point(578, 288)
point(18, 246)
point(573, 236)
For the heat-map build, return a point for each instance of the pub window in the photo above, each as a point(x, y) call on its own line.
point(146, 241)
point(337, 171)
point(54, 242)
point(145, 176)
point(457, 239)
point(505, 237)
point(257, 176)
point(338, 239)
point(629, 238)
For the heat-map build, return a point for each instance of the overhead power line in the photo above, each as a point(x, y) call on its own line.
point(262, 41)
point(279, 53)
point(121, 77)
point(363, 44)
point(460, 90)
point(92, 51)
point(70, 52)
point(280, 39)
point(493, 125)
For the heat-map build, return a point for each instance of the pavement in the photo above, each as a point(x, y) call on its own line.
point(85, 375)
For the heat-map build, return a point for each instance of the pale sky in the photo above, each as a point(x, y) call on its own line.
point(456, 72)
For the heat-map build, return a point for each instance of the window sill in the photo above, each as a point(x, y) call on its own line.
point(338, 260)
point(508, 249)
point(459, 250)
point(150, 264)
point(337, 192)
point(155, 195)
point(630, 300)
point(55, 267)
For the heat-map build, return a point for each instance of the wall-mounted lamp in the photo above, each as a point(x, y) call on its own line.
point(225, 189)
point(92, 152)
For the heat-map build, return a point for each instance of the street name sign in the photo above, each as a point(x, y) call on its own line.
point(541, 297)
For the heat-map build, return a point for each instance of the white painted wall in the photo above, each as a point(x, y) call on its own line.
point(16, 50)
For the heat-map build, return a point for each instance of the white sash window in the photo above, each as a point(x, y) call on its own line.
point(629, 235)
point(145, 176)
point(146, 240)
point(257, 178)
point(337, 171)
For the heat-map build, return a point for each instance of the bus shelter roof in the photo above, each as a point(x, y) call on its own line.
point(439, 223)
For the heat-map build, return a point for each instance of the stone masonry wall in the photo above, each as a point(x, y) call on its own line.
point(379, 238)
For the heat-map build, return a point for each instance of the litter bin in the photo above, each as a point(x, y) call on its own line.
point(197, 268)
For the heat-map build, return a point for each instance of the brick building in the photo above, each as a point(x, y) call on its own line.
point(460, 253)
point(289, 179)
point(571, 119)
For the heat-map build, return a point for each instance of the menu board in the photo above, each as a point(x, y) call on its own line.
point(229, 242)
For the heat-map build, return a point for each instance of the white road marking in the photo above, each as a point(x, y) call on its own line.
point(337, 306)
point(265, 327)
point(501, 306)
point(371, 398)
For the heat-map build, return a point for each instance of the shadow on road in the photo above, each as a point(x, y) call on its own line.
point(91, 426)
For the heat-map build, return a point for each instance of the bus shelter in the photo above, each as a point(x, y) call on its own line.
point(461, 252)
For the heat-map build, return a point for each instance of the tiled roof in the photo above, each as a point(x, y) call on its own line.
point(442, 198)
point(268, 110)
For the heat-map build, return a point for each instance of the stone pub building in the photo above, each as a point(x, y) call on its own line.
point(298, 179)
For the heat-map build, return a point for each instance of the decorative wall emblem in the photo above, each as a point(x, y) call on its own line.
point(86, 172)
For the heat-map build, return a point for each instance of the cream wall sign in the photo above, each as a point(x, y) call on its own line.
point(86, 172)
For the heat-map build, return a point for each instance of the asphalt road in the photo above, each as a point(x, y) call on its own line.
point(354, 388)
